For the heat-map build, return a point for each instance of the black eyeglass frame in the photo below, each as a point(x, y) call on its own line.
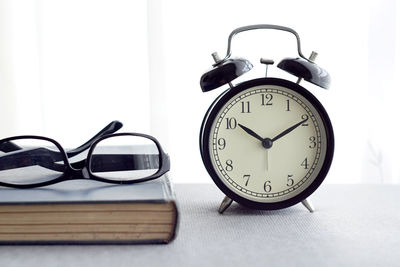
point(85, 172)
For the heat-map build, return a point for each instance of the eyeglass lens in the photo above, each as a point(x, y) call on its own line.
point(34, 161)
point(127, 157)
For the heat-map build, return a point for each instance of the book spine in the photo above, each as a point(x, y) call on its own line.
point(169, 195)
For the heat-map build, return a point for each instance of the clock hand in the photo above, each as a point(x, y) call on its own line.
point(285, 132)
point(251, 132)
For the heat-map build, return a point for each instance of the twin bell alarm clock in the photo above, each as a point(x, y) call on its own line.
point(267, 143)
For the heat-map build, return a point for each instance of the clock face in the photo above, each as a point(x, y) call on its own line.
point(269, 143)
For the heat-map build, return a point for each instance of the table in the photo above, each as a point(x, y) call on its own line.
point(353, 225)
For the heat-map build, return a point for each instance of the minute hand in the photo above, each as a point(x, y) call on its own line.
point(285, 132)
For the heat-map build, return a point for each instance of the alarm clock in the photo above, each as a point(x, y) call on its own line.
point(267, 143)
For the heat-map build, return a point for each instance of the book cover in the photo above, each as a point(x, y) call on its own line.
point(89, 212)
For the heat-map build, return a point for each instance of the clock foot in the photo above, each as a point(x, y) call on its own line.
point(307, 203)
point(226, 202)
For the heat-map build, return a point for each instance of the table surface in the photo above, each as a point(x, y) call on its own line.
point(353, 225)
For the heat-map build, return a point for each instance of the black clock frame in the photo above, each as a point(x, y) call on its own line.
point(222, 100)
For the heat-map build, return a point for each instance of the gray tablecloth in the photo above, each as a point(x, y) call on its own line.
point(353, 225)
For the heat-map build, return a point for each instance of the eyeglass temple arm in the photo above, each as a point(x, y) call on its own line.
point(100, 162)
point(38, 156)
point(109, 129)
point(9, 147)
point(123, 162)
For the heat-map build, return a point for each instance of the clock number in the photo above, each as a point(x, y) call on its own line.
point(229, 165)
point(245, 106)
point(290, 180)
point(221, 144)
point(287, 105)
point(305, 164)
point(304, 117)
point(313, 144)
point(267, 186)
point(231, 123)
point(247, 178)
point(266, 99)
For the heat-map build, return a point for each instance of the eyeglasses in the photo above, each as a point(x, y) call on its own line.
point(122, 158)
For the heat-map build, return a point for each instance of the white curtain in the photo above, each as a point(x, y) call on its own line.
point(69, 67)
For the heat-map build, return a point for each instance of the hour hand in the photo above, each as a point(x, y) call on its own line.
point(251, 132)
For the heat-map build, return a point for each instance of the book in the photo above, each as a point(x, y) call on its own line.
point(89, 212)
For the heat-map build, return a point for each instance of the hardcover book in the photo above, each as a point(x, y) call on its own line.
point(89, 212)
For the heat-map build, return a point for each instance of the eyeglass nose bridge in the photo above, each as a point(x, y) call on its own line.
point(77, 173)
point(85, 173)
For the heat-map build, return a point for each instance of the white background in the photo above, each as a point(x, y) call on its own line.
point(68, 68)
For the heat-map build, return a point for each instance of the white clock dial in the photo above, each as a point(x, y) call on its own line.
point(267, 143)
